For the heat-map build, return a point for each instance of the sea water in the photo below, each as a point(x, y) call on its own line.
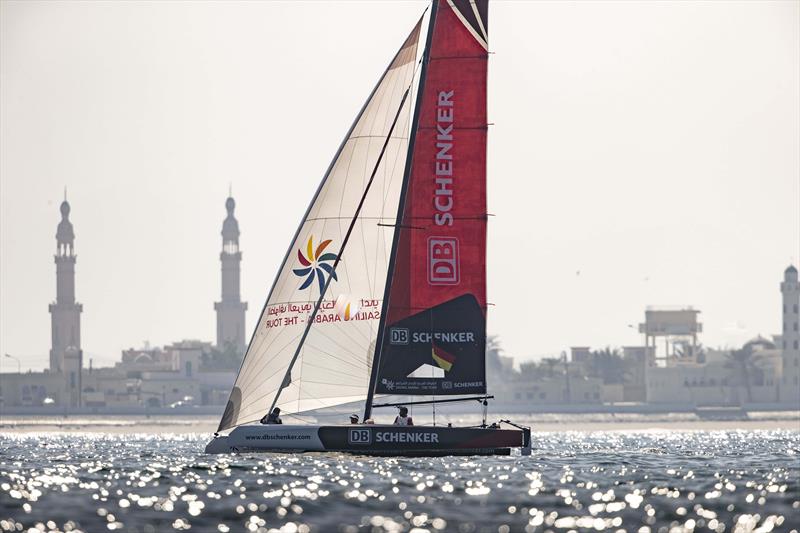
point(643, 481)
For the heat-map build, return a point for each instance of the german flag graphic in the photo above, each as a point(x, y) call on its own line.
point(442, 358)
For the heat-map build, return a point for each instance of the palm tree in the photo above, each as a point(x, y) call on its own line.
point(551, 363)
point(744, 363)
point(529, 370)
point(608, 365)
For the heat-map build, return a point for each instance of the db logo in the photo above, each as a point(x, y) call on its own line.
point(359, 436)
point(443, 261)
point(398, 336)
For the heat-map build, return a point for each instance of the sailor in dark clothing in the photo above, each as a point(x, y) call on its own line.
point(273, 418)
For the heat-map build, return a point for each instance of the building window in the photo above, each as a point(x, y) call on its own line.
point(795, 308)
point(517, 395)
point(795, 326)
point(542, 395)
point(795, 344)
point(596, 395)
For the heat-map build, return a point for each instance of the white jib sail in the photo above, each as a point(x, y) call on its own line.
point(334, 362)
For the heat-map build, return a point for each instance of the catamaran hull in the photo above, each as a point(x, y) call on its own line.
point(371, 440)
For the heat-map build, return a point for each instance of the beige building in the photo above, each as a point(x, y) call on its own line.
point(721, 379)
point(549, 391)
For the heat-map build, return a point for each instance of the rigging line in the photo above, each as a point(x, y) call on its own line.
point(256, 373)
point(263, 345)
point(343, 218)
point(344, 333)
point(257, 399)
point(341, 251)
point(351, 363)
point(378, 137)
point(251, 374)
point(442, 58)
point(330, 370)
point(327, 383)
point(257, 345)
point(301, 302)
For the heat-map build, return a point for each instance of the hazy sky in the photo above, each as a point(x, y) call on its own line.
point(642, 153)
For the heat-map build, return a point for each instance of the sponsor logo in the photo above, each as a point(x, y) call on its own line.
point(443, 189)
point(443, 261)
point(406, 436)
point(388, 383)
point(447, 384)
point(278, 436)
point(398, 335)
point(315, 264)
point(467, 384)
point(359, 436)
point(450, 337)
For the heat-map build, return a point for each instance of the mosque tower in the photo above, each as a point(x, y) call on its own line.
point(66, 356)
point(231, 309)
point(790, 289)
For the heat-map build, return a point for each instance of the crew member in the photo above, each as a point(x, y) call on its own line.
point(273, 418)
point(354, 419)
point(403, 419)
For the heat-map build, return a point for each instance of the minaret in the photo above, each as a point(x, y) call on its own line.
point(231, 309)
point(790, 383)
point(65, 354)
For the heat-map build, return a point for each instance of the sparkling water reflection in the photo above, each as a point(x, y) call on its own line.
point(635, 481)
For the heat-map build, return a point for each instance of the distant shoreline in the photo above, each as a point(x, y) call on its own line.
point(207, 424)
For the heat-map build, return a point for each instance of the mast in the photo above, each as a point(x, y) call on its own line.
point(400, 212)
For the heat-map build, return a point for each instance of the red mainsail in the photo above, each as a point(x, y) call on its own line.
point(437, 285)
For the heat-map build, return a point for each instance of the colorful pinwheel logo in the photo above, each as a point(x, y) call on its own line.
point(316, 264)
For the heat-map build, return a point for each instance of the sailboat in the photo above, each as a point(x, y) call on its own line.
point(383, 288)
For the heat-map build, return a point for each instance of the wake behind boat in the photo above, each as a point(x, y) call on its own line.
point(383, 288)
